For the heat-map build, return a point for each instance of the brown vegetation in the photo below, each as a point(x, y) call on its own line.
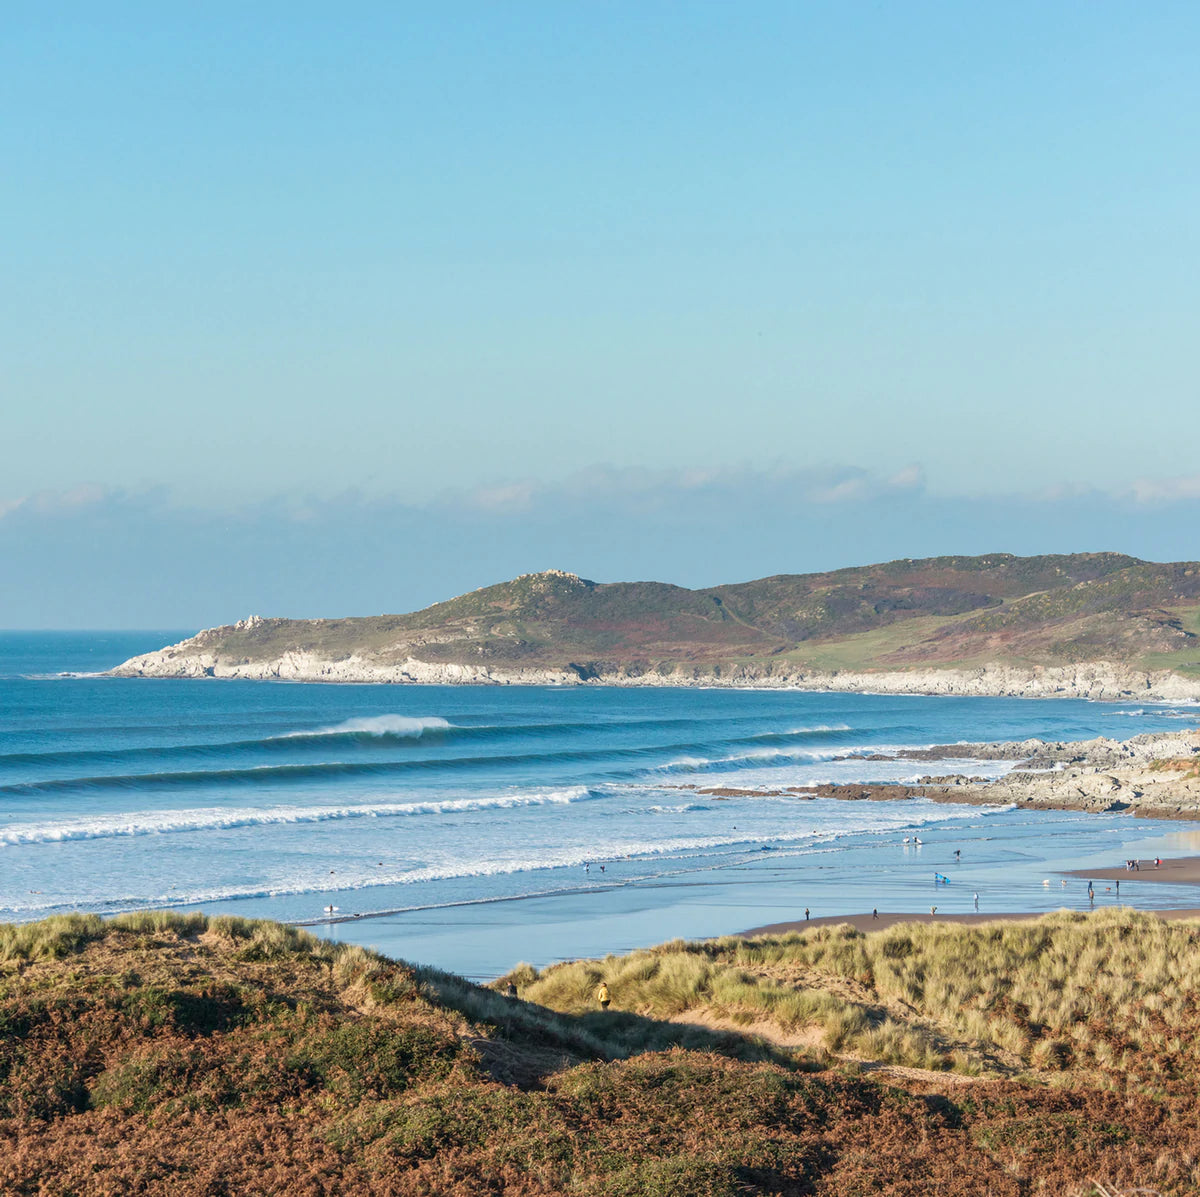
point(166, 1054)
point(1187, 766)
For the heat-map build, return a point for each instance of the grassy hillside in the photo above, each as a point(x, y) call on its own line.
point(168, 1054)
point(940, 612)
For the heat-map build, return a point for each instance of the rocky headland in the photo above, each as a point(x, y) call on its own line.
point(201, 657)
point(1156, 775)
point(1086, 625)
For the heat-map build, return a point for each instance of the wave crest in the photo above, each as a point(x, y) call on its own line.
point(168, 822)
point(407, 727)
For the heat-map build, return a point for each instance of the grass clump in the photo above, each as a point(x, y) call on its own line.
point(1107, 996)
point(50, 939)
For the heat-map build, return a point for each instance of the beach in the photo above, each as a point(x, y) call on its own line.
point(1180, 871)
point(1184, 870)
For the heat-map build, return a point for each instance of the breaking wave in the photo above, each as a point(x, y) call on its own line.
point(169, 822)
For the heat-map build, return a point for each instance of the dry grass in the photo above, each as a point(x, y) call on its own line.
point(162, 1054)
point(1104, 999)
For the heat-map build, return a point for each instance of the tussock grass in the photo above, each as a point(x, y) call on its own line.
point(156, 922)
point(51, 938)
point(1108, 995)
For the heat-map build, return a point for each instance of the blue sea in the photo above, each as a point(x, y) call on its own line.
point(472, 827)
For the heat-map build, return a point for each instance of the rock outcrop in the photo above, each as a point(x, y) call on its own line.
point(1156, 775)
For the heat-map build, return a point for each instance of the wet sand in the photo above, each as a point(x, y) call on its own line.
point(865, 922)
point(1184, 870)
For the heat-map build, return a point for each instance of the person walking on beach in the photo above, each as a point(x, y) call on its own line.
point(806, 914)
point(603, 996)
point(875, 912)
point(1118, 889)
point(977, 900)
point(932, 911)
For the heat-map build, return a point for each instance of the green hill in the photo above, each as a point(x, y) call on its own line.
point(940, 612)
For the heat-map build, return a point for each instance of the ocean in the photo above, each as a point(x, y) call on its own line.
point(472, 827)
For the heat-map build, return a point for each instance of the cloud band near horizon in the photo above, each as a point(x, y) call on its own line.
point(93, 556)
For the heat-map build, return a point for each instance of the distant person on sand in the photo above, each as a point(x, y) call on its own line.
point(603, 996)
point(806, 914)
point(976, 901)
point(932, 911)
point(875, 913)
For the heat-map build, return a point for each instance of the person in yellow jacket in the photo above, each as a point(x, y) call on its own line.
point(603, 996)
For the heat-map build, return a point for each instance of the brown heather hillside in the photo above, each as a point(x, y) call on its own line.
point(942, 612)
point(170, 1054)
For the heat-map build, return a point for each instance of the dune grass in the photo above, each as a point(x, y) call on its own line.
point(1108, 996)
point(171, 1054)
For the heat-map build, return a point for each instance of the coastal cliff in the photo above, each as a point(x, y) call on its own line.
point(1101, 680)
point(1099, 626)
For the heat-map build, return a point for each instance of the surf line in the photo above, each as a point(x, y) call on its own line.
point(607, 886)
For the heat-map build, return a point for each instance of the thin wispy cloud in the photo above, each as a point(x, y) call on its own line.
point(90, 556)
point(1166, 490)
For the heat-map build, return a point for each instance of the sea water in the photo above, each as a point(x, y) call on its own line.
point(471, 827)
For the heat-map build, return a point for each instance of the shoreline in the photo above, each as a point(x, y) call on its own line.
point(1153, 775)
point(1179, 870)
point(887, 919)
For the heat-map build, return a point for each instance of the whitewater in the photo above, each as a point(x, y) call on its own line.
point(470, 827)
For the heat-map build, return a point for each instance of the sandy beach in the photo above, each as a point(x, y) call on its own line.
point(1184, 870)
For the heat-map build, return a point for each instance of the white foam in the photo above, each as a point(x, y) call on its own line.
point(1158, 714)
point(696, 764)
point(408, 726)
point(805, 731)
point(626, 859)
point(169, 822)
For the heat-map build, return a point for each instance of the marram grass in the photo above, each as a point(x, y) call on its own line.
point(1111, 995)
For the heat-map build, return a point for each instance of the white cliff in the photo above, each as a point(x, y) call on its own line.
point(206, 655)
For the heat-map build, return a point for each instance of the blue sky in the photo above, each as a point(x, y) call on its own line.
point(697, 292)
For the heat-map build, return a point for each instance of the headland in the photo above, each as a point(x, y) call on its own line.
point(1088, 625)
